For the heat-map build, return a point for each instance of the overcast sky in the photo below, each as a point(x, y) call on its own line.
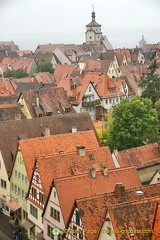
point(30, 23)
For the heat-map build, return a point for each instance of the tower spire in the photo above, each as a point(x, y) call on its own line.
point(93, 14)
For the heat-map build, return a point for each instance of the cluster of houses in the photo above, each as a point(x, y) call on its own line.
point(56, 178)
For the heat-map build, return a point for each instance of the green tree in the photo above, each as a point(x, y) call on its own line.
point(157, 107)
point(151, 84)
point(134, 123)
point(45, 65)
point(19, 73)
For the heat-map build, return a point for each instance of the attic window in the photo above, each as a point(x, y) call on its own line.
point(61, 152)
point(91, 157)
point(112, 90)
point(67, 109)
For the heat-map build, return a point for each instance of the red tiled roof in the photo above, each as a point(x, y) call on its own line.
point(133, 210)
point(83, 186)
point(72, 164)
point(63, 71)
point(93, 24)
point(120, 57)
point(97, 65)
point(156, 225)
point(44, 146)
point(48, 47)
point(44, 77)
point(19, 63)
point(141, 157)
point(6, 88)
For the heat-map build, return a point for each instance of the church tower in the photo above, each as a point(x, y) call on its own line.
point(142, 41)
point(93, 31)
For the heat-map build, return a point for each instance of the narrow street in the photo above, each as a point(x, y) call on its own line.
point(8, 228)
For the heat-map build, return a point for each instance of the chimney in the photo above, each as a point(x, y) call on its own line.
point(37, 101)
point(93, 173)
point(105, 171)
point(17, 116)
point(47, 131)
point(120, 190)
point(74, 129)
point(81, 150)
point(80, 71)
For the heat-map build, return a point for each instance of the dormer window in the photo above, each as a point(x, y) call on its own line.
point(67, 109)
point(112, 90)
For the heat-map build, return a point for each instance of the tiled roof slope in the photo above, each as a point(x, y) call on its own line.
point(10, 111)
point(49, 145)
point(47, 48)
point(156, 225)
point(137, 215)
point(67, 165)
point(137, 210)
point(141, 157)
point(11, 131)
point(55, 98)
point(19, 63)
point(83, 185)
point(97, 65)
point(63, 71)
point(44, 77)
point(25, 86)
point(6, 88)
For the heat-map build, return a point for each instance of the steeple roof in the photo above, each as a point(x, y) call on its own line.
point(93, 23)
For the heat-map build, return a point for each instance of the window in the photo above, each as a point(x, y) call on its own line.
point(117, 99)
point(3, 184)
point(16, 174)
point(89, 89)
point(19, 192)
point(110, 100)
point(108, 230)
point(15, 189)
point(74, 230)
point(34, 192)
point(106, 101)
point(67, 109)
point(26, 180)
point(41, 197)
point(90, 37)
point(81, 235)
point(49, 232)
point(37, 178)
point(19, 176)
point(33, 211)
point(112, 90)
point(12, 187)
point(55, 214)
point(22, 178)
point(55, 194)
point(23, 197)
point(77, 218)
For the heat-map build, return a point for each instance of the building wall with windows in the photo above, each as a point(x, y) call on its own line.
point(107, 231)
point(75, 229)
point(24, 107)
point(4, 184)
point(89, 102)
point(19, 184)
point(53, 216)
point(112, 71)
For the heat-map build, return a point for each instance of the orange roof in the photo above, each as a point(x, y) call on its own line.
point(141, 157)
point(97, 65)
point(6, 88)
point(72, 164)
point(103, 84)
point(63, 71)
point(126, 52)
point(120, 57)
point(19, 63)
point(90, 187)
point(44, 146)
point(48, 47)
point(133, 210)
point(156, 226)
